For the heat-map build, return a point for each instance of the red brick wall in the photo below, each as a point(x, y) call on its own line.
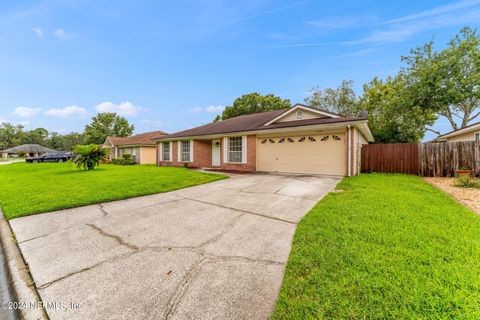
point(202, 156)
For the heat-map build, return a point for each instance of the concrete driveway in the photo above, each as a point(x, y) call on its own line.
point(215, 251)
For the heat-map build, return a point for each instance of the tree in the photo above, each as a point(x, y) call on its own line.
point(341, 100)
point(254, 103)
point(10, 135)
point(393, 115)
point(35, 136)
point(89, 156)
point(107, 124)
point(447, 81)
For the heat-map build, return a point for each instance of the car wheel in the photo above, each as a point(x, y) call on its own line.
point(34, 161)
point(60, 160)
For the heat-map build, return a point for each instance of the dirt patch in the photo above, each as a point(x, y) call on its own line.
point(467, 196)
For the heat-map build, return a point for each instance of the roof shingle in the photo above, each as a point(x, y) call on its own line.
point(253, 122)
point(143, 139)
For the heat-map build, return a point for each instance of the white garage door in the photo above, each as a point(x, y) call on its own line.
point(316, 154)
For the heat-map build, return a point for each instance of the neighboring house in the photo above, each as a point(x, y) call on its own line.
point(468, 133)
point(141, 146)
point(30, 150)
point(300, 139)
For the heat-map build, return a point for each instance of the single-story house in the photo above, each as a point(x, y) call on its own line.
point(30, 150)
point(300, 139)
point(468, 133)
point(141, 147)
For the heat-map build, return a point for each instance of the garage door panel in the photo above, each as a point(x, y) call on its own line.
point(317, 157)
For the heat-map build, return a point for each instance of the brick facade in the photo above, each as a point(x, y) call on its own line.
point(202, 156)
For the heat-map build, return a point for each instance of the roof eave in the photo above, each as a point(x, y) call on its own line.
point(272, 130)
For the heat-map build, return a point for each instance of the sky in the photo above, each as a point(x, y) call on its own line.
point(173, 65)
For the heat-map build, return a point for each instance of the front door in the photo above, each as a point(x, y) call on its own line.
point(215, 152)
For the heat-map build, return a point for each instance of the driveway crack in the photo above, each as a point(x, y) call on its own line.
point(102, 209)
point(119, 240)
point(172, 303)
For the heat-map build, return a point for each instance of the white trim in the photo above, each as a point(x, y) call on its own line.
point(179, 150)
point(225, 149)
point(349, 151)
point(171, 148)
point(244, 149)
point(472, 127)
point(299, 106)
point(161, 151)
point(191, 150)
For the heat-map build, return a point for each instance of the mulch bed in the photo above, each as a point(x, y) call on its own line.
point(470, 197)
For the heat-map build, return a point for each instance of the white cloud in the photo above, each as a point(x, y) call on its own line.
point(437, 11)
point(38, 31)
point(26, 112)
point(124, 108)
point(67, 112)
point(153, 123)
point(60, 34)
point(209, 109)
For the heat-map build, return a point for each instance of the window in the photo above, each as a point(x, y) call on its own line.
point(166, 151)
point(185, 156)
point(477, 136)
point(235, 149)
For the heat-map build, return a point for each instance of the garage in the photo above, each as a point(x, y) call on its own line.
point(313, 154)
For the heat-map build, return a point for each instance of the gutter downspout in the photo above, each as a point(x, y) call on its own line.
point(349, 146)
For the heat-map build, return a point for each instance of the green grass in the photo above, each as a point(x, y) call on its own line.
point(386, 247)
point(33, 188)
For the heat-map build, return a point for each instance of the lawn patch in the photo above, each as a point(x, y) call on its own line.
point(388, 246)
point(33, 188)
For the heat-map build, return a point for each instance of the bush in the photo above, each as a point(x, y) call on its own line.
point(123, 161)
point(126, 156)
point(89, 156)
point(467, 181)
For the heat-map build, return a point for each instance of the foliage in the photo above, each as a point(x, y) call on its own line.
point(341, 100)
point(89, 156)
point(124, 160)
point(35, 136)
point(384, 247)
point(107, 124)
point(10, 135)
point(127, 156)
point(393, 116)
point(447, 81)
point(254, 103)
point(74, 188)
point(467, 181)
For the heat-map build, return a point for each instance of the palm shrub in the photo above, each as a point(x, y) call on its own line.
point(89, 156)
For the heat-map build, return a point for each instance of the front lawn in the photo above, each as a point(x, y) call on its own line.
point(33, 188)
point(385, 247)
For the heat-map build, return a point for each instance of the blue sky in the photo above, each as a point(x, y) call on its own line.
point(174, 65)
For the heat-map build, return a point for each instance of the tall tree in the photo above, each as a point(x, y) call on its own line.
point(35, 136)
point(341, 100)
point(254, 103)
point(107, 124)
point(447, 81)
point(393, 115)
point(10, 135)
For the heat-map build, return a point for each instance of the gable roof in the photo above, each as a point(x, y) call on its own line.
point(467, 129)
point(257, 122)
point(28, 148)
point(142, 139)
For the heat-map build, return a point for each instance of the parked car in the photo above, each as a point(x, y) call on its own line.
point(49, 157)
point(70, 155)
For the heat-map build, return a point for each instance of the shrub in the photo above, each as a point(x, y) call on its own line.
point(21, 154)
point(126, 156)
point(122, 161)
point(89, 156)
point(467, 181)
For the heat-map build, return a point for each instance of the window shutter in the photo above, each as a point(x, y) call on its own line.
point(179, 149)
point(191, 150)
point(225, 149)
point(244, 149)
point(170, 151)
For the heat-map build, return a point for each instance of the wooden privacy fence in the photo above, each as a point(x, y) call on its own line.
point(424, 159)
